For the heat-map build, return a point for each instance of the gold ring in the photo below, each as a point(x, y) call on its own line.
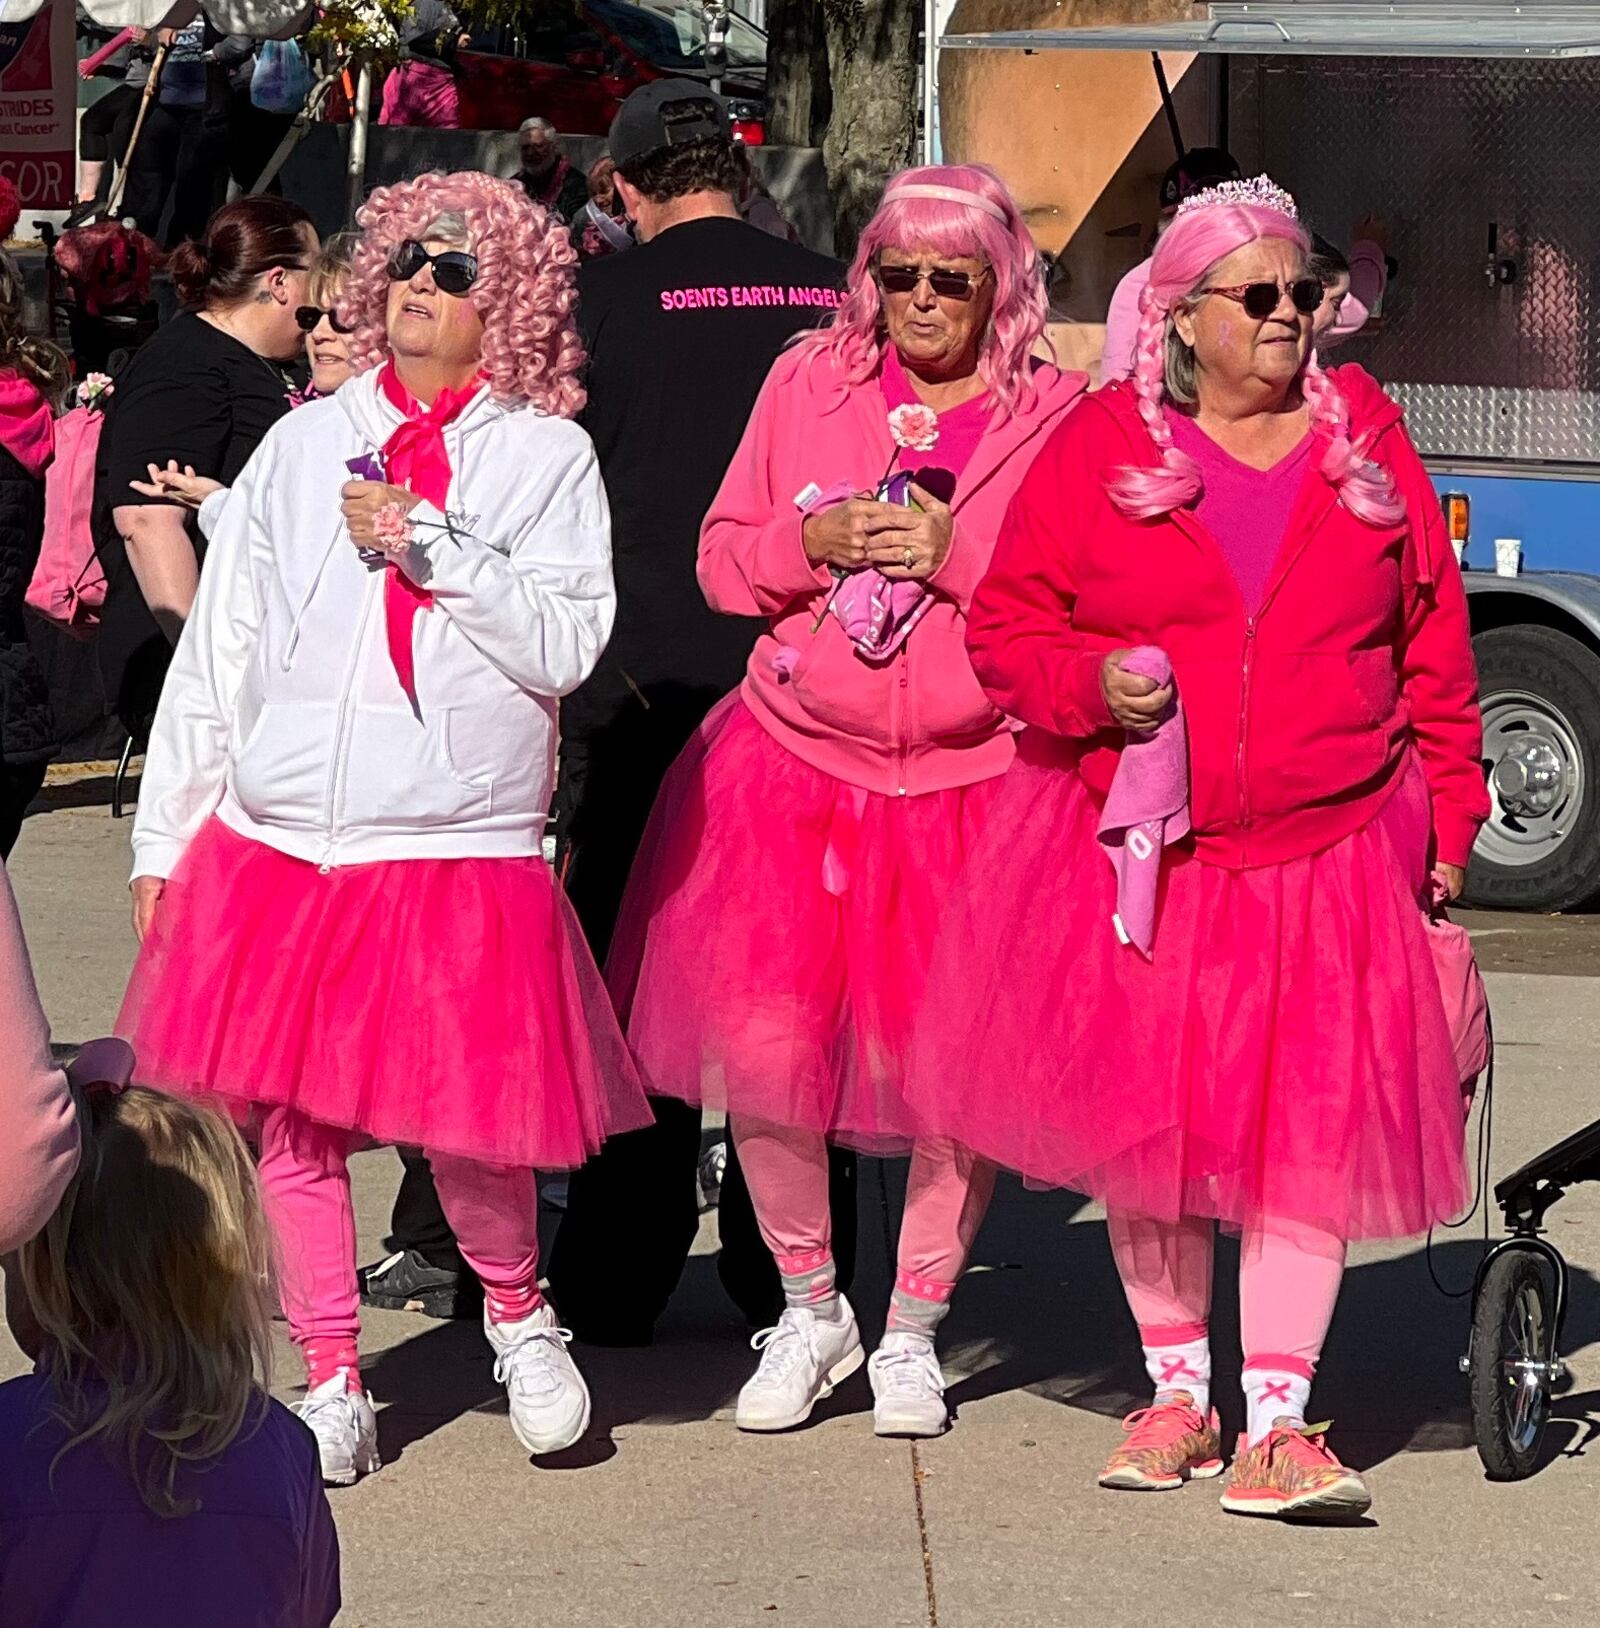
point(910, 558)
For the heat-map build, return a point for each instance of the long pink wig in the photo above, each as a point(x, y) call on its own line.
point(525, 291)
point(856, 337)
point(1185, 258)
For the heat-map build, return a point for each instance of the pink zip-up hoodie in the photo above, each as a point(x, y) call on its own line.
point(919, 722)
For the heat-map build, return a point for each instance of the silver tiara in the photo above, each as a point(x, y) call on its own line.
point(1260, 192)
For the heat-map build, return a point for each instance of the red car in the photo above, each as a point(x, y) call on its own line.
point(577, 72)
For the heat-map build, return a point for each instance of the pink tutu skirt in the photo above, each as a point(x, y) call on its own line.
point(1283, 1055)
point(776, 934)
point(449, 1003)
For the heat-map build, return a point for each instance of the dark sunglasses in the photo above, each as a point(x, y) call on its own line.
point(308, 316)
point(453, 270)
point(947, 284)
point(1260, 300)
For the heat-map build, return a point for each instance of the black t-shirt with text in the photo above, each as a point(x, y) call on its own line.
point(681, 333)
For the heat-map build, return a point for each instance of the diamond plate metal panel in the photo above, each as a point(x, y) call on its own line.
point(1441, 150)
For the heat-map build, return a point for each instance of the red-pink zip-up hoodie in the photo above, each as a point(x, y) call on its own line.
point(1299, 716)
point(918, 722)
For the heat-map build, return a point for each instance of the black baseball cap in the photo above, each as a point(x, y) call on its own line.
point(666, 113)
point(1199, 168)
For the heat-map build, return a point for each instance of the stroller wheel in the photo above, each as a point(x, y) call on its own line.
point(1513, 1361)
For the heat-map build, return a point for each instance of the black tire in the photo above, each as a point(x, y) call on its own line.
point(1561, 675)
point(1514, 1317)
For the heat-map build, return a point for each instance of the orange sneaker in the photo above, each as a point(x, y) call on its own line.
point(1168, 1443)
point(1292, 1473)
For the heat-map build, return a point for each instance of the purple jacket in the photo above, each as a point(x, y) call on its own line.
point(260, 1552)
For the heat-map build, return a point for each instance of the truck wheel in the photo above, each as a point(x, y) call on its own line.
point(1540, 849)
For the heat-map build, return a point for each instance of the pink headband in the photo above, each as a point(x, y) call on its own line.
point(955, 195)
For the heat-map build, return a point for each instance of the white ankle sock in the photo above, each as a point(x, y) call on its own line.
point(1271, 1395)
point(1185, 1367)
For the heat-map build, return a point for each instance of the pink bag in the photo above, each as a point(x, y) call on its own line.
point(1466, 1002)
point(69, 584)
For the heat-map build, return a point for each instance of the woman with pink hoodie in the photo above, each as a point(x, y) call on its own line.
point(1264, 1043)
point(33, 377)
point(773, 943)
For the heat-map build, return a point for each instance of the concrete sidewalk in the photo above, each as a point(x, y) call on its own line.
point(668, 1516)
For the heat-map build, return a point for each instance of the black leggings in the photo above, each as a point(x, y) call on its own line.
point(99, 122)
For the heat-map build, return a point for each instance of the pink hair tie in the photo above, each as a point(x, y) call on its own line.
point(955, 195)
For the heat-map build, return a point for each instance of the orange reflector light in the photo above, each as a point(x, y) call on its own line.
point(1457, 511)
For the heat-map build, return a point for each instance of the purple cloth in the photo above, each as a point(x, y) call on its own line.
point(1147, 807)
point(1246, 510)
point(260, 1552)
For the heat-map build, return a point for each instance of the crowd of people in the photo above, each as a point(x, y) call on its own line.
point(946, 759)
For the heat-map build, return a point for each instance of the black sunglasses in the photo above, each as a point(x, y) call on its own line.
point(1260, 300)
point(453, 270)
point(308, 316)
point(947, 284)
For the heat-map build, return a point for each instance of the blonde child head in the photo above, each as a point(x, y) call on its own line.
point(150, 1290)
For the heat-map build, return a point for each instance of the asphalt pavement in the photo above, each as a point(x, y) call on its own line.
point(667, 1516)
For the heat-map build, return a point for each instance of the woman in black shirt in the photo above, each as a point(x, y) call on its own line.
point(204, 391)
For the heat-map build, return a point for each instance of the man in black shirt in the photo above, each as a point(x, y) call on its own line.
point(681, 332)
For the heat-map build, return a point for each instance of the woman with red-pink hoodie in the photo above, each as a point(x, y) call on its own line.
point(1259, 1038)
point(33, 377)
point(772, 946)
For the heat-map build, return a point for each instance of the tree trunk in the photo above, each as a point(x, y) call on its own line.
point(872, 63)
point(798, 93)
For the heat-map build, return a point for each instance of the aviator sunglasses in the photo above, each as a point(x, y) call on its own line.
point(947, 284)
point(1260, 300)
point(453, 270)
point(308, 316)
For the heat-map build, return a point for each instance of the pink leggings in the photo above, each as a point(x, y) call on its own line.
point(1289, 1275)
point(305, 1180)
point(947, 1193)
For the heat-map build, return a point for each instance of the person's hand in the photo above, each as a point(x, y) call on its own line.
point(463, 40)
point(839, 536)
point(909, 545)
point(84, 70)
point(1370, 229)
point(141, 36)
point(1136, 702)
point(166, 36)
point(176, 485)
point(147, 891)
point(1454, 880)
point(362, 499)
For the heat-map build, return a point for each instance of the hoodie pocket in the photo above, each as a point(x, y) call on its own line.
point(402, 774)
point(280, 768)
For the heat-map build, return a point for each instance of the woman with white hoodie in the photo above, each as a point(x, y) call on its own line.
point(348, 932)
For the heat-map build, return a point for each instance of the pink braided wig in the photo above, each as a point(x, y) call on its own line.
point(1185, 260)
point(525, 291)
point(855, 338)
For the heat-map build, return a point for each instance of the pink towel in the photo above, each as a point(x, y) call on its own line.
point(1147, 807)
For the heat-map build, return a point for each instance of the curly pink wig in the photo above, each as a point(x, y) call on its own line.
point(525, 292)
point(1184, 262)
point(855, 338)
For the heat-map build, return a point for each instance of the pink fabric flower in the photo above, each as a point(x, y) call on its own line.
point(391, 528)
point(914, 426)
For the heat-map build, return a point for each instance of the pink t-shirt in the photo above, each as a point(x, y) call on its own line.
point(1246, 510)
point(960, 430)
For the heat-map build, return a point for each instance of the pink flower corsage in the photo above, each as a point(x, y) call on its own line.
point(914, 426)
point(391, 529)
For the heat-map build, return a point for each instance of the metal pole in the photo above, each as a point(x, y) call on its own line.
point(355, 176)
point(930, 85)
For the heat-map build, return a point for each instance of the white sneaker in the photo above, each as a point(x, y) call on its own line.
point(549, 1400)
point(346, 1429)
point(802, 1359)
point(907, 1387)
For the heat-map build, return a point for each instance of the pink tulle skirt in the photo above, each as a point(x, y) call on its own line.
point(1284, 1054)
point(777, 930)
point(448, 1003)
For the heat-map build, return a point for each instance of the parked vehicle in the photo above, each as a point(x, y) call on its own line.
point(1471, 130)
point(576, 70)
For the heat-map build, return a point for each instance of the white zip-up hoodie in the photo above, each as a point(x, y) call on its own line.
point(282, 713)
